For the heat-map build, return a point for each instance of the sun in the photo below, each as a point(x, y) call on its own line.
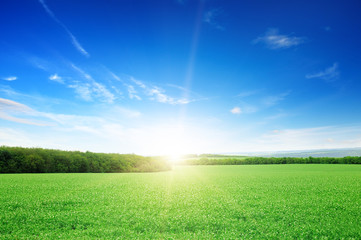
point(174, 148)
point(172, 142)
point(175, 158)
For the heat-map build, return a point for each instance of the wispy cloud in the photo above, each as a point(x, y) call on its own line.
point(96, 130)
point(312, 138)
point(11, 78)
point(74, 41)
point(9, 109)
point(210, 18)
point(136, 89)
point(91, 88)
point(247, 93)
point(81, 72)
point(116, 77)
point(277, 116)
point(158, 95)
point(187, 92)
point(21, 113)
point(244, 108)
point(261, 103)
point(90, 91)
point(83, 90)
point(273, 40)
point(139, 83)
point(56, 78)
point(274, 100)
point(329, 74)
point(40, 63)
point(154, 93)
point(11, 93)
point(236, 110)
point(132, 93)
point(181, 1)
point(9, 105)
point(102, 92)
point(127, 112)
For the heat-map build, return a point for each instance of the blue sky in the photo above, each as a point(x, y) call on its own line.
point(180, 76)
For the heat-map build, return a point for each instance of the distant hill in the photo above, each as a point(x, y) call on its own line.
point(337, 153)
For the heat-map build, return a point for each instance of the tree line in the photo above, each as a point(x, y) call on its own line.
point(272, 160)
point(39, 160)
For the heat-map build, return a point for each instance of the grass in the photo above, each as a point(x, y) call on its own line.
point(190, 202)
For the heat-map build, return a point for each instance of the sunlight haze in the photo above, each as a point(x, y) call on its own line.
point(174, 77)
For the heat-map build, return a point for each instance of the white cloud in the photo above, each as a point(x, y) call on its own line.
point(74, 41)
point(273, 40)
point(236, 110)
point(56, 78)
point(210, 18)
point(11, 78)
point(329, 74)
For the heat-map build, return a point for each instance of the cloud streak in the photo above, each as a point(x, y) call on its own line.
point(329, 74)
point(21, 113)
point(11, 78)
point(274, 100)
point(210, 18)
point(74, 41)
point(56, 78)
point(245, 94)
point(9, 109)
point(273, 40)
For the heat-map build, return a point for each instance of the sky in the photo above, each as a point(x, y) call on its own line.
point(180, 76)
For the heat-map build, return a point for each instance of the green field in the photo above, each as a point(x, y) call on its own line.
point(190, 202)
